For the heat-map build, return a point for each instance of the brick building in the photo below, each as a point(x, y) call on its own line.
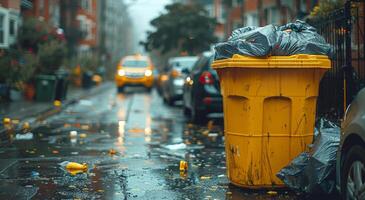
point(262, 12)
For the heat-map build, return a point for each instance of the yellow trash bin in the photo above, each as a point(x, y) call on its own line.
point(269, 112)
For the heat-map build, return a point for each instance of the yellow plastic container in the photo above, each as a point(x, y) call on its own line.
point(269, 112)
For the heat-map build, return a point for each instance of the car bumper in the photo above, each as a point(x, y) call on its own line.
point(121, 81)
point(177, 89)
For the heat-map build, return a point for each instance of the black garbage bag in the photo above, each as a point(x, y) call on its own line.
point(249, 41)
point(290, 39)
point(300, 38)
point(314, 172)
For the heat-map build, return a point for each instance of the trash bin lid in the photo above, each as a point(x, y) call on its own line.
point(46, 77)
point(285, 62)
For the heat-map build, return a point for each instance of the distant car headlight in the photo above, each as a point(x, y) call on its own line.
point(148, 72)
point(121, 72)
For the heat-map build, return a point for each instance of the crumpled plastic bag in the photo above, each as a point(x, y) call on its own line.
point(290, 39)
point(300, 38)
point(248, 41)
point(314, 172)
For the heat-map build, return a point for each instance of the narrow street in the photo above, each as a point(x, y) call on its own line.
point(132, 144)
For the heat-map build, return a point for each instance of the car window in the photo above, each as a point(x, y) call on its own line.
point(135, 63)
point(181, 64)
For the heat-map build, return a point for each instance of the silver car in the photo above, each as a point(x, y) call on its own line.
point(351, 155)
point(178, 67)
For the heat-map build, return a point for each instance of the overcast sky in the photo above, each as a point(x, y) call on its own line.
point(142, 12)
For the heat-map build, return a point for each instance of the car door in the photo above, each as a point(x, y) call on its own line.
point(196, 73)
point(189, 82)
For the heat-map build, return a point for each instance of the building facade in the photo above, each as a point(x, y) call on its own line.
point(263, 12)
point(115, 30)
point(9, 22)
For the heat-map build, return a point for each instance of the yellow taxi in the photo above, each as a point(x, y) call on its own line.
point(134, 70)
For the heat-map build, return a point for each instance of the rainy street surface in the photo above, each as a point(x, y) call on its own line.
point(132, 144)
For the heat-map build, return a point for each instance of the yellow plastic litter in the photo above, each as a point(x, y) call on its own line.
point(26, 126)
point(6, 120)
point(112, 152)
point(76, 166)
point(83, 135)
point(183, 165)
point(272, 193)
point(57, 103)
point(204, 177)
point(269, 111)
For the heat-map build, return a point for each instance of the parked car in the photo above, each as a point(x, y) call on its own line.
point(134, 70)
point(351, 155)
point(178, 70)
point(202, 90)
point(162, 78)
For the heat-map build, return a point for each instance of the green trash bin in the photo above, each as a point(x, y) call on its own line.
point(45, 88)
point(62, 85)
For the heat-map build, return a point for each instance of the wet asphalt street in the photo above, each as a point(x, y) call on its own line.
point(132, 144)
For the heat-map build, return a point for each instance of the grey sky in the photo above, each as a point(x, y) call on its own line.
point(142, 12)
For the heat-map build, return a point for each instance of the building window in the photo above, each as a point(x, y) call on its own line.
point(86, 5)
point(12, 27)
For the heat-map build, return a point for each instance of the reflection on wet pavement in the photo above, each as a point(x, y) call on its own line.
point(132, 145)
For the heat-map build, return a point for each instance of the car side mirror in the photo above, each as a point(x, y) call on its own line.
point(185, 71)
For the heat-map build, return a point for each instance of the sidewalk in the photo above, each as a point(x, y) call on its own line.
point(22, 110)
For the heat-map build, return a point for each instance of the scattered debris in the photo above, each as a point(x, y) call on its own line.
point(272, 193)
point(205, 177)
point(210, 125)
point(73, 134)
point(6, 120)
point(34, 174)
point(26, 126)
point(83, 135)
point(74, 165)
point(55, 152)
point(176, 146)
point(26, 136)
point(85, 103)
point(183, 166)
point(112, 152)
point(57, 103)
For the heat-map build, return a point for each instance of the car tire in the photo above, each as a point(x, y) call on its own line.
point(198, 116)
point(149, 89)
point(120, 89)
point(355, 157)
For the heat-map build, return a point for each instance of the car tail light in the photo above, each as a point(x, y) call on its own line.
point(175, 73)
point(206, 78)
point(207, 100)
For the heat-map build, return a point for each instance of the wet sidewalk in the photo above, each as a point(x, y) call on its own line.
point(31, 110)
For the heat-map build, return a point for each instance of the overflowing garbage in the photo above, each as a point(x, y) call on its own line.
point(290, 39)
point(314, 172)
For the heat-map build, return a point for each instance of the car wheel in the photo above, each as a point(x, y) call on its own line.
point(198, 116)
point(149, 89)
point(120, 89)
point(353, 174)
